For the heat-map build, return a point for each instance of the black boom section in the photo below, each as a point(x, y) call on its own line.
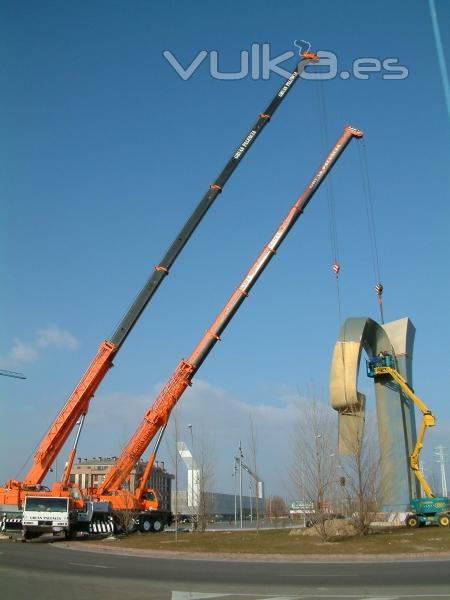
point(149, 289)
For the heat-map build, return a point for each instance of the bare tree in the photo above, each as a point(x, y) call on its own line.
point(276, 507)
point(175, 459)
point(126, 517)
point(205, 463)
point(314, 467)
point(361, 473)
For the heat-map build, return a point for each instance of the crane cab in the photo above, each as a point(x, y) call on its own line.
point(150, 499)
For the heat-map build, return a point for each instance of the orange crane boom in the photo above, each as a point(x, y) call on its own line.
point(157, 416)
point(78, 403)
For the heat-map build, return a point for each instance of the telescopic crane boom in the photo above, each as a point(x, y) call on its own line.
point(78, 403)
point(158, 415)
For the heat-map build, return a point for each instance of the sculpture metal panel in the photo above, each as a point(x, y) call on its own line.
point(395, 414)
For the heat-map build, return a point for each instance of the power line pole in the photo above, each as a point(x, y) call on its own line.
point(441, 453)
point(235, 494)
point(424, 471)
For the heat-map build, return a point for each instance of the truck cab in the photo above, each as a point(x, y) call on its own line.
point(150, 499)
point(52, 514)
point(46, 514)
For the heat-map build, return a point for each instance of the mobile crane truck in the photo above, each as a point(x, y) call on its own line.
point(141, 504)
point(431, 510)
point(14, 492)
point(156, 418)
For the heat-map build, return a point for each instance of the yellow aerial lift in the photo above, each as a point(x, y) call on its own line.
point(432, 509)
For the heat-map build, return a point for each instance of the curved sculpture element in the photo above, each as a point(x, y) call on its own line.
point(396, 423)
point(357, 333)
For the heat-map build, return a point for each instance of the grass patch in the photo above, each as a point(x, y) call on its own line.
point(392, 541)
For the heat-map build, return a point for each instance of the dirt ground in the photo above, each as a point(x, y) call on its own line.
point(334, 528)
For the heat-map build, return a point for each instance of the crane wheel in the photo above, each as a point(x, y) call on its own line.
point(30, 535)
point(412, 521)
point(70, 535)
point(443, 520)
point(145, 525)
point(158, 526)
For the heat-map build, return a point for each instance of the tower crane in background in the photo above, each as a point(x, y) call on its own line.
point(12, 374)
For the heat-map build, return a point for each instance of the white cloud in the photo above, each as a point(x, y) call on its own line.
point(27, 352)
point(216, 410)
point(22, 353)
point(216, 416)
point(54, 337)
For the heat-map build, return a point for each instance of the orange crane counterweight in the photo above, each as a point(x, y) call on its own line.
point(158, 415)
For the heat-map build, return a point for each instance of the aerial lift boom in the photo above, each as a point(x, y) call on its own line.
point(78, 403)
point(385, 365)
point(432, 509)
point(158, 415)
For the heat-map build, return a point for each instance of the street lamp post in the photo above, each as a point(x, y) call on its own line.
point(193, 483)
point(241, 456)
point(235, 495)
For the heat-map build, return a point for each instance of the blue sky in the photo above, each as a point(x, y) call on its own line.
point(105, 151)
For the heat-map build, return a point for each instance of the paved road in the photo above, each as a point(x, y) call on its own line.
point(51, 571)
